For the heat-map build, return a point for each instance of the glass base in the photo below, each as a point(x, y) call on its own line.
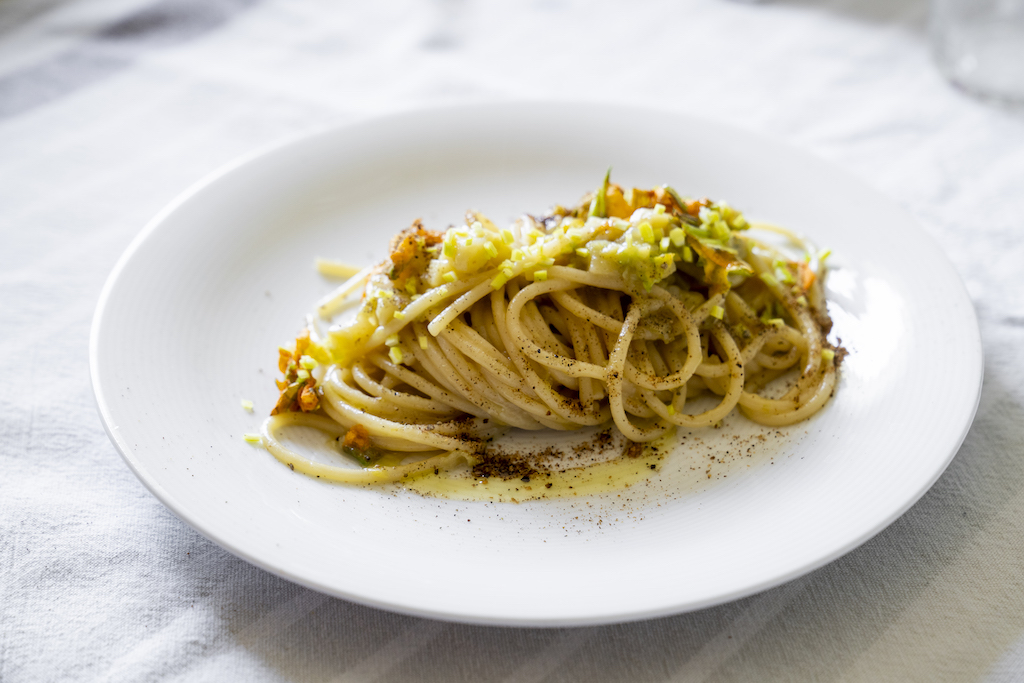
point(985, 59)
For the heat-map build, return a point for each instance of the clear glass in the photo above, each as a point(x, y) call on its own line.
point(979, 45)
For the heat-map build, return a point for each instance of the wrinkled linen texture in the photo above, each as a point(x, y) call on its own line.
point(110, 108)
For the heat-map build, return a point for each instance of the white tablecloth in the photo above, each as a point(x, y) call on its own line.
point(109, 108)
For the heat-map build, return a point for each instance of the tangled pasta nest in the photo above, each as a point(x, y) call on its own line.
point(627, 308)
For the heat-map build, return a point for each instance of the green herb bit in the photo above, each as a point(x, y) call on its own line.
point(646, 233)
point(366, 458)
point(499, 281)
point(599, 205)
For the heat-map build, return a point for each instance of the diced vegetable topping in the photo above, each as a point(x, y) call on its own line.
point(648, 238)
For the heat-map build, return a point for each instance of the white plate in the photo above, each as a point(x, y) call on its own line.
point(191, 317)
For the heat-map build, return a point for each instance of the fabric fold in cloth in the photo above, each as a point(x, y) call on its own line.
point(110, 108)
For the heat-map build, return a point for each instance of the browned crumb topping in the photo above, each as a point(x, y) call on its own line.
point(502, 467)
point(633, 449)
point(841, 353)
point(493, 462)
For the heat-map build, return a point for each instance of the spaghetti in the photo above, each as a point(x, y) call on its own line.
point(627, 308)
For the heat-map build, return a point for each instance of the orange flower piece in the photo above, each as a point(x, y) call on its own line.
point(357, 438)
point(616, 204)
point(693, 208)
point(408, 252)
point(283, 358)
point(307, 399)
point(301, 344)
